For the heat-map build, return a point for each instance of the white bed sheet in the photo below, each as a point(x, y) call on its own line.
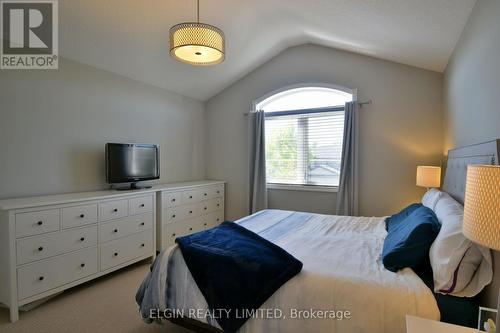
point(342, 271)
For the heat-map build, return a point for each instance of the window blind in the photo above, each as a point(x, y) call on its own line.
point(304, 148)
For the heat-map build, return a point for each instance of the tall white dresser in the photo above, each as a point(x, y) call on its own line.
point(185, 208)
point(51, 243)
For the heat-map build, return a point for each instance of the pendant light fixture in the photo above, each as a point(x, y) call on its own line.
point(197, 43)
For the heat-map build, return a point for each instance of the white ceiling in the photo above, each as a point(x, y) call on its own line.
point(130, 37)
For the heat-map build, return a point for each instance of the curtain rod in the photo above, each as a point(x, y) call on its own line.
point(368, 101)
point(360, 104)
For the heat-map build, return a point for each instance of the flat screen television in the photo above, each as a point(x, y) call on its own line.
point(131, 163)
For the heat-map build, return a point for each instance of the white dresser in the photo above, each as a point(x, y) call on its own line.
point(185, 208)
point(51, 243)
point(422, 325)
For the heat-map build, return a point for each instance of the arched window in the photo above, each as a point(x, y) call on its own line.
point(304, 134)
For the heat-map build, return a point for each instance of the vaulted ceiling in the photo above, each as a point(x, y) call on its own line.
point(130, 37)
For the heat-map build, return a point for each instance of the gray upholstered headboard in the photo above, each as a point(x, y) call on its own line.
point(454, 184)
point(460, 158)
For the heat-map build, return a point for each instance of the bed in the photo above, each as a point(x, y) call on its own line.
point(342, 271)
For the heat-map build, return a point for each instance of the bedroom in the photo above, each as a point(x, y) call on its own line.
point(418, 79)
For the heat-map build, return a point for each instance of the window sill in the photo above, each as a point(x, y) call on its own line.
point(305, 188)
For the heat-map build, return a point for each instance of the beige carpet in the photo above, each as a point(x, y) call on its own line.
point(103, 305)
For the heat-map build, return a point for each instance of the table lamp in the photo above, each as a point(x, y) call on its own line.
point(428, 176)
point(482, 209)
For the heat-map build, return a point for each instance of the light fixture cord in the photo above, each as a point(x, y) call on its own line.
point(198, 12)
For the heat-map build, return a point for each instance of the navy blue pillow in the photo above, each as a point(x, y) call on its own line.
point(395, 219)
point(407, 244)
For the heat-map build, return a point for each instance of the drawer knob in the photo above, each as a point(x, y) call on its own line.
point(40, 248)
point(205, 208)
point(82, 265)
point(142, 223)
point(41, 278)
point(173, 235)
point(204, 194)
point(116, 254)
point(218, 205)
point(190, 197)
point(190, 229)
point(173, 216)
point(205, 223)
point(190, 212)
point(173, 200)
point(142, 245)
point(218, 220)
point(141, 205)
point(218, 192)
point(115, 210)
point(82, 216)
point(82, 239)
point(115, 231)
point(39, 222)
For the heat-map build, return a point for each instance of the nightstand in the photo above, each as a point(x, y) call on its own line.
point(421, 325)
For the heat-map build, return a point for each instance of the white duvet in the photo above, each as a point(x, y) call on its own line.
point(342, 272)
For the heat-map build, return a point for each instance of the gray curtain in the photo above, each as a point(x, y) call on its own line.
point(258, 188)
point(347, 196)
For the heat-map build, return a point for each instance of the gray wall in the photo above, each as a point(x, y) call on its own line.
point(472, 80)
point(402, 129)
point(54, 124)
point(471, 92)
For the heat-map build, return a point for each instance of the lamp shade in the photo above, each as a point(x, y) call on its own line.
point(197, 43)
point(428, 176)
point(482, 205)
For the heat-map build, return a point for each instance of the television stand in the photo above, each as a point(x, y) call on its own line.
point(133, 186)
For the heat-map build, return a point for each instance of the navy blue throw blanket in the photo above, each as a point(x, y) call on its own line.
point(236, 270)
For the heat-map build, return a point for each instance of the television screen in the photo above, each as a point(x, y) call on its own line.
point(127, 163)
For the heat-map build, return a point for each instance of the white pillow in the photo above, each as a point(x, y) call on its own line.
point(431, 197)
point(460, 267)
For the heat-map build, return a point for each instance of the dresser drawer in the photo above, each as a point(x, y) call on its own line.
point(125, 227)
point(79, 216)
point(205, 222)
point(205, 207)
point(193, 225)
point(44, 246)
point(52, 273)
point(216, 191)
point(113, 210)
point(122, 250)
point(205, 193)
point(172, 199)
point(210, 192)
point(191, 196)
point(174, 214)
point(140, 205)
point(172, 231)
point(183, 212)
point(212, 219)
point(212, 205)
point(191, 211)
point(34, 223)
point(186, 227)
